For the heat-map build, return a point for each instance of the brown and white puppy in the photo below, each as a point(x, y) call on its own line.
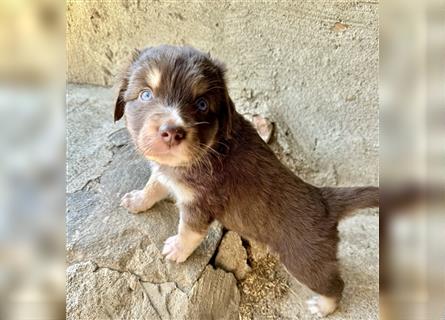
point(180, 116)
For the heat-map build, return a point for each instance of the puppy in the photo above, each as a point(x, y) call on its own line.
point(212, 161)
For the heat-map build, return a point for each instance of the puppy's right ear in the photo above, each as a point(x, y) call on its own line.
point(122, 86)
point(119, 106)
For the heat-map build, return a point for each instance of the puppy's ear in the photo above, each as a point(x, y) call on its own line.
point(228, 108)
point(119, 106)
point(122, 85)
point(227, 119)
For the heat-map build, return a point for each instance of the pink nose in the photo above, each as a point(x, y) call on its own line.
point(172, 135)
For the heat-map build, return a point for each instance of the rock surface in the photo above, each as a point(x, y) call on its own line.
point(116, 270)
point(232, 256)
point(215, 296)
point(103, 293)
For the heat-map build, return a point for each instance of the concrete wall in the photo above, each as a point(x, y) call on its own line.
point(290, 61)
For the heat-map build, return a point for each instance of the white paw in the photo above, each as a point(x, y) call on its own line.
point(313, 306)
point(136, 201)
point(321, 306)
point(174, 250)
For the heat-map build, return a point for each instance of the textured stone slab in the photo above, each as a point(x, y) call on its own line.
point(94, 293)
point(103, 293)
point(232, 256)
point(215, 296)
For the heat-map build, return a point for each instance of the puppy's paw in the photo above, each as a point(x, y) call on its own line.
point(136, 201)
point(321, 306)
point(174, 250)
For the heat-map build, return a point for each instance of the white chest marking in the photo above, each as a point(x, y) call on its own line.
point(181, 192)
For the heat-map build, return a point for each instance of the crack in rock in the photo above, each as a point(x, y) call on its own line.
point(95, 292)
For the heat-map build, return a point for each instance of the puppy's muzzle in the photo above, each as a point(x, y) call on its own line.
point(172, 135)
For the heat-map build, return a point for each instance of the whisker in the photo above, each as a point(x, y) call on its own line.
point(215, 152)
point(202, 161)
point(197, 123)
point(215, 88)
point(223, 144)
point(210, 148)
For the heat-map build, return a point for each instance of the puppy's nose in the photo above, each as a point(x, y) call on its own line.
point(172, 134)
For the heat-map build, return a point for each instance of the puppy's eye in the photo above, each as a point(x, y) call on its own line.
point(202, 104)
point(146, 95)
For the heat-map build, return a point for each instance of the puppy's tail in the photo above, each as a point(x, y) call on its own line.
point(342, 201)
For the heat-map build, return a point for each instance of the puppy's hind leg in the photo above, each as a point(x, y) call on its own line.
point(322, 305)
point(321, 276)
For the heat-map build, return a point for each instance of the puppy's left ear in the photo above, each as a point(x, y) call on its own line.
point(227, 108)
point(228, 115)
point(122, 85)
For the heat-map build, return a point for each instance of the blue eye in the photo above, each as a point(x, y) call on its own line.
point(146, 95)
point(201, 104)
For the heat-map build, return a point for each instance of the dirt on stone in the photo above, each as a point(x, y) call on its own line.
point(261, 288)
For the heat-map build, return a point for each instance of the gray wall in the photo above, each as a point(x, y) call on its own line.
point(289, 61)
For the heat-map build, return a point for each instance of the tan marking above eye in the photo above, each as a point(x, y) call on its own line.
point(199, 88)
point(154, 78)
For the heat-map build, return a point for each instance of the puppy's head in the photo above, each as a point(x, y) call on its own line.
point(175, 103)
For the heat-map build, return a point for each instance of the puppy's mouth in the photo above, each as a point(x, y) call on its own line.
point(172, 146)
point(169, 140)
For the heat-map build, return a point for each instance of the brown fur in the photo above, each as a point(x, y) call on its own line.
point(235, 177)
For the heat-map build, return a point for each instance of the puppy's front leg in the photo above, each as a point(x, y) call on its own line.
point(141, 200)
point(179, 247)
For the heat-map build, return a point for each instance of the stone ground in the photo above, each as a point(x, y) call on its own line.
point(115, 267)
